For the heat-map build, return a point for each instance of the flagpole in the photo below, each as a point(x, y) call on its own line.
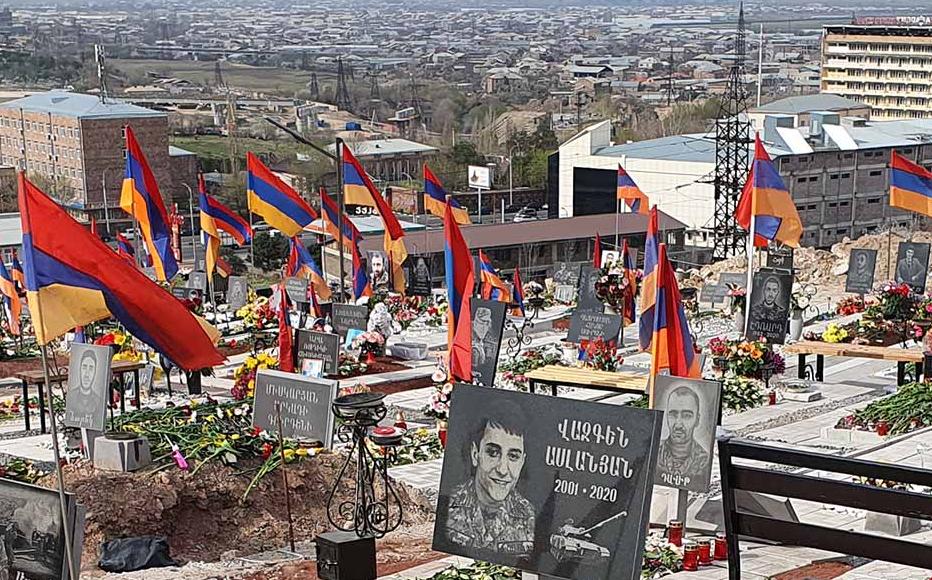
point(747, 294)
point(342, 193)
point(617, 216)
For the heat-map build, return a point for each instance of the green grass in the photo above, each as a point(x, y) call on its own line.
point(272, 80)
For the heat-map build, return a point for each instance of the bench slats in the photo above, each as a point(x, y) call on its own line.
point(854, 350)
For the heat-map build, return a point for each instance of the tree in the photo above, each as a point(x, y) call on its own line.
point(233, 259)
point(270, 251)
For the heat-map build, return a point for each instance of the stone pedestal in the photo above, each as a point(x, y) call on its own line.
point(122, 454)
point(89, 438)
point(891, 524)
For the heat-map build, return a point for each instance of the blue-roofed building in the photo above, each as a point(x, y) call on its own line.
point(76, 144)
point(834, 166)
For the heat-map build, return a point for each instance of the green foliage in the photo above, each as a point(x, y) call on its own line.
point(233, 259)
point(270, 251)
point(910, 408)
point(741, 393)
point(477, 571)
point(24, 67)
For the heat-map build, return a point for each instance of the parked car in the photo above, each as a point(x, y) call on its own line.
point(526, 215)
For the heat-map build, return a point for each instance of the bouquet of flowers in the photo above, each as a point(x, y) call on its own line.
point(849, 305)
point(122, 345)
point(738, 297)
point(895, 302)
point(370, 341)
point(601, 355)
point(923, 311)
point(661, 558)
point(513, 370)
point(611, 288)
point(745, 358)
point(834, 334)
point(244, 385)
point(437, 315)
point(742, 393)
point(258, 315)
point(439, 405)
point(404, 309)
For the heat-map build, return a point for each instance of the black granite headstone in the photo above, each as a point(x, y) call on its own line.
point(238, 292)
point(296, 289)
point(418, 276)
point(780, 258)
point(488, 322)
point(319, 345)
point(569, 483)
point(586, 296)
point(861, 264)
point(590, 325)
point(769, 306)
point(348, 317)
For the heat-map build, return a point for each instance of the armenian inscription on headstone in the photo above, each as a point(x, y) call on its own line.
point(319, 345)
point(349, 317)
point(304, 404)
point(590, 325)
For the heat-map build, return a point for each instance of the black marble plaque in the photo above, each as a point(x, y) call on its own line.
point(296, 289)
point(912, 265)
point(769, 306)
point(586, 298)
point(861, 264)
point(565, 484)
point(488, 323)
point(348, 317)
point(590, 325)
point(319, 345)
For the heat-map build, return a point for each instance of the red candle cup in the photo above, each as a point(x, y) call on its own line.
point(675, 532)
point(883, 428)
point(721, 546)
point(772, 398)
point(705, 551)
point(691, 557)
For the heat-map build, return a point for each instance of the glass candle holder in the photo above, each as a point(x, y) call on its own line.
point(721, 546)
point(675, 532)
point(691, 557)
point(705, 551)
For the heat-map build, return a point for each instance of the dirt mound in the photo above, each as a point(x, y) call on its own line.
point(202, 513)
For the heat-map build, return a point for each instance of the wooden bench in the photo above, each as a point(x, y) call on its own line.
point(118, 369)
point(902, 356)
point(555, 375)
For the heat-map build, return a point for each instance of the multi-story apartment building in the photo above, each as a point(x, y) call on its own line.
point(881, 63)
point(75, 145)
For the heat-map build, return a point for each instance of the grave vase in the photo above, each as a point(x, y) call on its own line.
point(739, 320)
point(442, 433)
point(796, 325)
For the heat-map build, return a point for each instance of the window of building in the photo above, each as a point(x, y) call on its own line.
point(800, 180)
point(833, 204)
point(833, 176)
point(845, 175)
point(876, 173)
point(814, 178)
point(844, 204)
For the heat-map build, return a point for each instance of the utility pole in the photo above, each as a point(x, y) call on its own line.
point(670, 79)
point(100, 58)
point(342, 97)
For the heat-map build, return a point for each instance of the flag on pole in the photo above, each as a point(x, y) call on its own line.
point(459, 278)
point(597, 252)
point(301, 264)
point(223, 267)
point(285, 348)
point(359, 190)
point(12, 306)
point(94, 227)
point(493, 287)
point(435, 199)
point(672, 349)
point(629, 273)
point(216, 217)
point(632, 195)
point(274, 201)
point(142, 199)
point(17, 271)
point(517, 293)
point(766, 198)
point(73, 279)
point(331, 217)
point(361, 286)
point(910, 185)
point(649, 281)
point(125, 249)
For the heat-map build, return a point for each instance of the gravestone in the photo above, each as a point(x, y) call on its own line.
point(198, 281)
point(860, 276)
point(238, 292)
point(590, 325)
point(769, 305)
point(304, 403)
point(780, 258)
point(713, 293)
point(566, 273)
point(574, 502)
point(726, 278)
point(88, 386)
point(588, 299)
point(418, 276)
point(321, 346)
point(349, 316)
point(296, 289)
point(488, 322)
point(564, 293)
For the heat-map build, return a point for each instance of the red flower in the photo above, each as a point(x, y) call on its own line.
point(255, 431)
point(266, 450)
point(106, 339)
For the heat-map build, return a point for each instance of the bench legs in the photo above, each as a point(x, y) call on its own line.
point(26, 403)
point(905, 374)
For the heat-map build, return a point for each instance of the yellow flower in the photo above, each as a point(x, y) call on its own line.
point(756, 354)
point(235, 437)
point(289, 454)
point(302, 451)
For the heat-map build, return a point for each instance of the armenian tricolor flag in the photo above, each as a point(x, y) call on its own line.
point(274, 201)
point(361, 286)
point(767, 199)
point(597, 252)
point(629, 272)
point(649, 282)
point(517, 294)
point(459, 278)
point(672, 349)
point(11, 304)
point(359, 190)
point(301, 264)
point(141, 199)
point(435, 199)
point(285, 348)
point(216, 217)
point(17, 271)
point(73, 279)
point(493, 287)
point(632, 195)
point(910, 185)
point(332, 217)
point(125, 248)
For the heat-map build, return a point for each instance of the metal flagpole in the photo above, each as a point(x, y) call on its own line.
point(342, 194)
point(747, 294)
point(63, 503)
point(617, 216)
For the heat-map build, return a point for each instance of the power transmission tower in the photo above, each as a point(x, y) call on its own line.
point(100, 59)
point(218, 75)
point(732, 140)
point(342, 97)
point(314, 87)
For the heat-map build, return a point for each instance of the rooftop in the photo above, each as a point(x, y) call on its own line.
point(78, 105)
point(385, 147)
point(809, 103)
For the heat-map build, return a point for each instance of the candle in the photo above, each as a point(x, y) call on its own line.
point(721, 546)
point(705, 551)
point(675, 532)
point(691, 557)
point(772, 398)
point(883, 428)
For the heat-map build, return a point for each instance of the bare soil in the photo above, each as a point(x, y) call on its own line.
point(205, 519)
point(818, 571)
